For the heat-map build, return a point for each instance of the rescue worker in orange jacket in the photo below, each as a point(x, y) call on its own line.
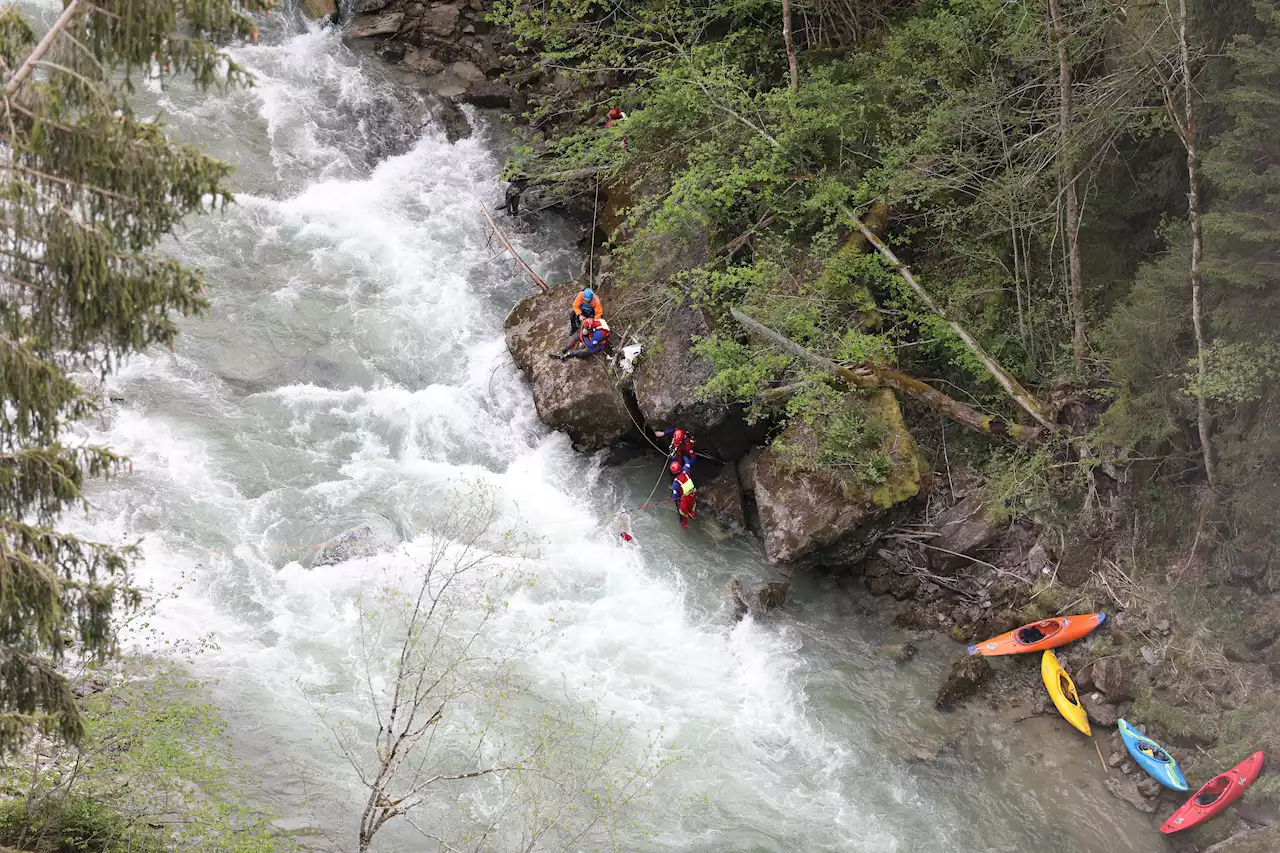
point(585, 306)
point(683, 493)
point(681, 446)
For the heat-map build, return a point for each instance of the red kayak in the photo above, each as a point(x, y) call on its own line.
point(1038, 636)
point(1218, 793)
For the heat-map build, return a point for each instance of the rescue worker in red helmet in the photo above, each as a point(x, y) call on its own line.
point(681, 446)
point(593, 338)
point(616, 117)
point(683, 493)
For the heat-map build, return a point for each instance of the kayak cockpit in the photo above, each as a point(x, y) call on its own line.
point(1037, 631)
point(1210, 793)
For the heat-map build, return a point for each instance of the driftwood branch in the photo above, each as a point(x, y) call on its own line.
point(506, 245)
point(37, 54)
point(1021, 396)
point(875, 376)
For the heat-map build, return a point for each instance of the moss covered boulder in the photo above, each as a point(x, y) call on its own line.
point(822, 495)
point(576, 396)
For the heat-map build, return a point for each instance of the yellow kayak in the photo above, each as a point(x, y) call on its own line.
point(1063, 691)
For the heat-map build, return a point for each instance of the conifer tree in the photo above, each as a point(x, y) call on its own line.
point(88, 190)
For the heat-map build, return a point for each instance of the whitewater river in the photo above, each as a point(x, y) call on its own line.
point(352, 368)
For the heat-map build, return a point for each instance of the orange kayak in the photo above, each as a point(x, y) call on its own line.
point(1038, 636)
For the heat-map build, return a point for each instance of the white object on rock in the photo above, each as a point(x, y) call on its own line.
point(630, 353)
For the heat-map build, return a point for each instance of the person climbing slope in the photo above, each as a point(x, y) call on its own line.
point(617, 117)
point(593, 338)
point(585, 306)
point(683, 493)
point(681, 446)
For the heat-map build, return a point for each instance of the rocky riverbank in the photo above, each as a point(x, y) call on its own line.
point(1192, 659)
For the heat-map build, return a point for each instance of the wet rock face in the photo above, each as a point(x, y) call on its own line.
point(962, 529)
point(668, 387)
point(821, 518)
point(720, 499)
point(451, 44)
point(968, 675)
point(577, 395)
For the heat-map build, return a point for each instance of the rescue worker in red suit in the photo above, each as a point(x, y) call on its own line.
point(683, 493)
point(681, 446)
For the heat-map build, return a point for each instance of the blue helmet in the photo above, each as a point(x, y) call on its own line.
point(588, 294)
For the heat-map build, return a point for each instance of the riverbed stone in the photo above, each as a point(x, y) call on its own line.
point(771, 596)
point(964, 529)
point(767, 598)
point(826, 518)
point(440, 20)
point(967, 676)
point(1101, 712)
point(900, 653)
point(359, 542)
point(420, 61)
point(1112, 678)
point(578, 395)
point(373, 25)
point(668, 387)
point(1126, 790)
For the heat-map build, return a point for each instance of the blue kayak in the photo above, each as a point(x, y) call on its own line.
point(1152, 757)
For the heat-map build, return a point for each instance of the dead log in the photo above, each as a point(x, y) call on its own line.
point(506, 245)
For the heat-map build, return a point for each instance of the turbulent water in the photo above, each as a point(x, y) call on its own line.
point(352, 368)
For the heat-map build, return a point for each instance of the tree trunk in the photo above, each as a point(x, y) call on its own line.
point(875, 376)
point(1021, 396)
point(791, 48)
point(1189, 139)
point(1067, 180)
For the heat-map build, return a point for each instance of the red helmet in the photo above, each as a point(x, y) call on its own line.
point(677, 437)
point(675, 467)
point(590, 323)
point(615, 113)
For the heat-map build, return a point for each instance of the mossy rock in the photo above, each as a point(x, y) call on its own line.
point(814, 514)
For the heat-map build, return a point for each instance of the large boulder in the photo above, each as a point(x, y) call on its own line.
point(576, 396)
point(668, 387)
point(963, 529)
point(826, 517)
point(967, 676)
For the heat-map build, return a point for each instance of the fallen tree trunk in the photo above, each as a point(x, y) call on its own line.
point(1021, 396)
point(506, 244)
point(563, 177)
point(875, 376)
